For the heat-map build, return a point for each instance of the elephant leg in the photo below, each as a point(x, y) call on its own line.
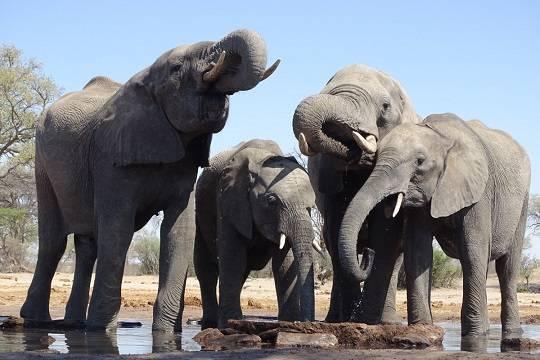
point(474, 255)
point(115, 231)
point(508, 272)
point(285, 279)
point(206, 269)
point(232, 273)
point(379, 296)
point(85, 257)
point(52, 244)
point(418, 262)
point(176, 251)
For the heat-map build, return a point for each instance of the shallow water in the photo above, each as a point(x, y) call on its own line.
point(141, 340)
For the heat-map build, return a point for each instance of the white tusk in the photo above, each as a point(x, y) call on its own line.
point(317, 246)
point(368, 144)
point(282, 241)
point(303, 145)
point(270, 70)
point(398, 205)
point(215, 70)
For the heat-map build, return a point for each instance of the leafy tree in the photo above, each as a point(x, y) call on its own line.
point(528, 265)
point(534, 213)
point(24, 94)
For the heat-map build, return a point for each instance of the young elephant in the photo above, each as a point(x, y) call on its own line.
point(463, 183)
point(253, 204)
point(110, 156)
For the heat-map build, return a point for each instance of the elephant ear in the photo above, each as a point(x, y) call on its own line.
point(408, 114)
point(235, 183)
point(465, 173)
point(139, 132)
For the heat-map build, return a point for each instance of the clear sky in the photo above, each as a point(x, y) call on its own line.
point(478, 59)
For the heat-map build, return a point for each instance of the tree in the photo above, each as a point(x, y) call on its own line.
point(24, 94)
point(534, 213)
point(528, 265)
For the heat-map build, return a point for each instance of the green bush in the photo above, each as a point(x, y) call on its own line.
point(445, 270)
point(146, 250)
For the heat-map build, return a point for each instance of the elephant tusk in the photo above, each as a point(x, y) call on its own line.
point(303, 145)
point(282, 241)
point(398, 205)
point(368, 144)
point(317, 246)
point(270, 70)
point(215, 70)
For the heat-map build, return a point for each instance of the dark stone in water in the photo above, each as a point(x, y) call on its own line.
point(519, 344)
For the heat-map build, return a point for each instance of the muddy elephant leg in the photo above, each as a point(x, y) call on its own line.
point(206, 269)
point(85, 257)
point(232, 273)
point(115, 231)
point(176, 252)
point(52, 244)
point(418, 255)
point(285, 279)
point(378, 303)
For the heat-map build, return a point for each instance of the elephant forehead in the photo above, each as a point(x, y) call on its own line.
point(286, 180)
point(356, 74)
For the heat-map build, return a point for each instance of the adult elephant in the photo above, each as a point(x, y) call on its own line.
point(110, 156)
point(252, 204)
point(468, 186)
point(339, 129)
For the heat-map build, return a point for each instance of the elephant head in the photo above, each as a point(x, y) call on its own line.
point(271, 195)
point(439, 163)
point(183, 98)
point(356, 108)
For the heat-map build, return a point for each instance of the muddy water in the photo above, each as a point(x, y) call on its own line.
point(141, 340)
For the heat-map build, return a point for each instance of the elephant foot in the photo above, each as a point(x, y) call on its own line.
point(514, 332)
point(390, 317)
point(29, 311)
point(208, 323)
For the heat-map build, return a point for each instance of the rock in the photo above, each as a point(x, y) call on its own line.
point(204, 337)
point(306, 340)
point(11, 322)
point(519, 344)
point(269, 336)
point(354, 335)
point(46, 340)
point(411, 342)
point(234, 341)
point(229, 331)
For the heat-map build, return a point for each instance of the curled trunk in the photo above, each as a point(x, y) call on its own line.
point(377, 187)
point(245, 59)
point(327, 122)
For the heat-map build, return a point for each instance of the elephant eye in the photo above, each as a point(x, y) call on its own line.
point(385, 106)
point(271, 199)
point(176, 68)
point(420, 160)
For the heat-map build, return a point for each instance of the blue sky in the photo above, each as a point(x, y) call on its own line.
point(478, 59)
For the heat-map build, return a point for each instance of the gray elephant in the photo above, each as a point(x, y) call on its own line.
point(339, 129)
point(468, 186)
point(252, 204)
point(111, 156)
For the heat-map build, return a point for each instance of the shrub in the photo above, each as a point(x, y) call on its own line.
point(445, 270)
point(146, 250)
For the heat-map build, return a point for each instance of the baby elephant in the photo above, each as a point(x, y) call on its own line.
point(468, 186)
point(253, 204)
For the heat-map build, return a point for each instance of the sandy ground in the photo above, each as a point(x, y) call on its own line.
point(258, 298)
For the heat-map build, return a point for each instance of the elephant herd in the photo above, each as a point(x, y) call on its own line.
point(385, 180)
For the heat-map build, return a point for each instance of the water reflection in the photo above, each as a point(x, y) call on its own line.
point(123, 341)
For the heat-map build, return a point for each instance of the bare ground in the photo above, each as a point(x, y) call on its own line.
point(258, 298)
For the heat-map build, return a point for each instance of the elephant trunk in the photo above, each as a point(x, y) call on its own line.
point(378, 186)
point(300, 235)
point(240, 62)
point(325, 123)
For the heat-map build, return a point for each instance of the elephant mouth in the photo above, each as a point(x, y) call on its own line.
point(213, 110)
point(342, 133)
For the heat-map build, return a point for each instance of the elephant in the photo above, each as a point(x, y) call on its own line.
point(252, 204)
point(338, 130)
point(110, 156)
point(466, 185)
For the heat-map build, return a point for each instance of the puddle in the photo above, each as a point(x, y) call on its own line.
point(491, 344)
point(143, 341)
